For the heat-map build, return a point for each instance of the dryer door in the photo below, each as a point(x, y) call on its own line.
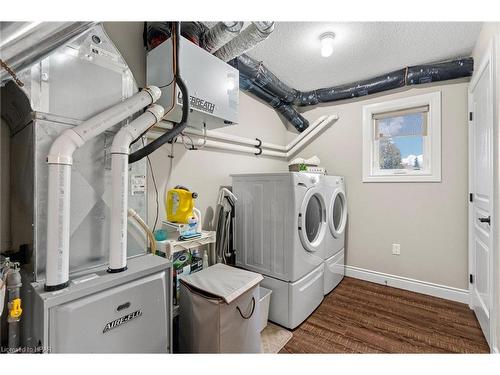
point(312, 220)
point(337, 213)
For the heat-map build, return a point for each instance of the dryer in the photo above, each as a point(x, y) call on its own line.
point(280, 228)
point(334, 243)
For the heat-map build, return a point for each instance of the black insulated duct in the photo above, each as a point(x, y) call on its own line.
point(275, 90)
point(370, 86)
point(258, 73)
point(286, 110)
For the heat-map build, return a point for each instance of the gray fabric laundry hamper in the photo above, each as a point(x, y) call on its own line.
point(219, 311)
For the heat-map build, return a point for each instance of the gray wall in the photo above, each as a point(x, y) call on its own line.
point(127, 37)
point(429, 220)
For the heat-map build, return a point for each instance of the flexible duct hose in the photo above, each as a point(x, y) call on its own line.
point(255, 33)
point(220, 34)
point(152, 242)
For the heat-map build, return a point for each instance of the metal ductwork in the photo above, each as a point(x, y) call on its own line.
point(281, 96)
point(220, 34)
point(255, 33)
point(24, 43)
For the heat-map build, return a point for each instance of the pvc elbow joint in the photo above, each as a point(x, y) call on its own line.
point(61, 151)
point(127, 134)
point(157, 111)
point(154, 91)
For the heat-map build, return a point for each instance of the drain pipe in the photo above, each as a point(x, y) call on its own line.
point(255, 33)
point(59, 160)
point(120, 150)
point(220, 34)
point(140, 222)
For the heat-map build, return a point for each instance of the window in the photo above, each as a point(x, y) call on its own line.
point(402, 140)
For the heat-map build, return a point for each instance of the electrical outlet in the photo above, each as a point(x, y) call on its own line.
point(396, 249)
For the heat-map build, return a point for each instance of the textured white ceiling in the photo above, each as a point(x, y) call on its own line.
point(361, 49)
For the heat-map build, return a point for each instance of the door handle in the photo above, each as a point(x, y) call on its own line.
point(485, 219)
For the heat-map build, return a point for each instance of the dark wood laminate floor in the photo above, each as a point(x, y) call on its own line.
point(363, 317)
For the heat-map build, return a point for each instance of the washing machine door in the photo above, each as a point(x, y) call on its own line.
point(312, 220)
point(337, 216)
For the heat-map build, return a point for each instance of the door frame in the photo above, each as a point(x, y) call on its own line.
point(487, 62)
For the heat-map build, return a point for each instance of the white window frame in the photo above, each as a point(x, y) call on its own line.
point(431, 169)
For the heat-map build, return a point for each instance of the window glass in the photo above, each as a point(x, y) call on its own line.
point(401, 140)
point(313, 218)
point(338, 206)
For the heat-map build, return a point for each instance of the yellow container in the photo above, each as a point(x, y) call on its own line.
point(180, 204)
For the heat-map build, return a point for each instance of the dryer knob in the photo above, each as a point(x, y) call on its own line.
point(314, 179)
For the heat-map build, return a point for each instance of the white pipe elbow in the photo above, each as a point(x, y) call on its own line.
point(154, 91)
point(62, 149)
point(127, 134)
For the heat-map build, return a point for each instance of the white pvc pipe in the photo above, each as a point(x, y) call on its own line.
point(309, 136)
point(225, 146)
point(225, 137)
point(60, 159)
point(297, 139)
point(249, 145)
point(119, 184)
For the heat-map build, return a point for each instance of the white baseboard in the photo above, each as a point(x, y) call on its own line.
point(436, 290)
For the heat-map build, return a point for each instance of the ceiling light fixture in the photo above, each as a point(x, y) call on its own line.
point(326, 40)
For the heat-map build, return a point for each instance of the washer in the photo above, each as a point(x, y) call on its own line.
point(334, 250)
point(280, 229)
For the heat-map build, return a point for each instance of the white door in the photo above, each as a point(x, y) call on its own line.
point(481, 216)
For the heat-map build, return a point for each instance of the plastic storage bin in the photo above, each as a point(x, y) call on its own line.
point(220, 311)
point(264, 301)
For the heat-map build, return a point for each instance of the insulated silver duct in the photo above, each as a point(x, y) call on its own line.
point(24, 43)
point(255, 33)
point(220, 34)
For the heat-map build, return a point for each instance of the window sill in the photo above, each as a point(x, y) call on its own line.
point(402, 178)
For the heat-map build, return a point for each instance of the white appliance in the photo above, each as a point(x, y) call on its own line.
point(280, 227)
point(335, 237)
point(213, 85)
